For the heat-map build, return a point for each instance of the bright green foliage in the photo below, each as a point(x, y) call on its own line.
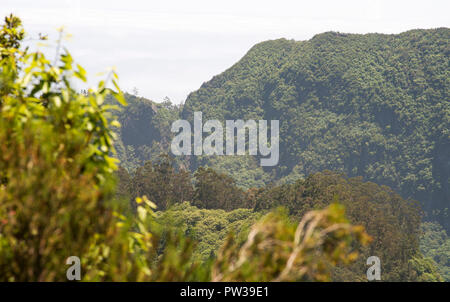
point(435, 244)
point(55, 168)
point(141, 249)
point(56, 177)
point(42, 93)
point(208, 227)
point(424, 270)
point(277, 249)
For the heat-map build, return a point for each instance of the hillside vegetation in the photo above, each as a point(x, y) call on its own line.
point(373, 105)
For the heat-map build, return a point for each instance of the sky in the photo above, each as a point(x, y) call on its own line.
point(168, 48)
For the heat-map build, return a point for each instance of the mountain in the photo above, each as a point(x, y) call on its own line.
point(372, 105)
point(145, 130)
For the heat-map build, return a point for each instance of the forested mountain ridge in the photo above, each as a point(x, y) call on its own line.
point(374, 105)
point(145, 130)
point(370, 105)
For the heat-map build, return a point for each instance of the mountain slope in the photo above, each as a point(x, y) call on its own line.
point(371, 105)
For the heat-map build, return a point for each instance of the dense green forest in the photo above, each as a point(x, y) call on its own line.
point(375, 106)
point(392, 222)
point(364, 134)
point(370, 105)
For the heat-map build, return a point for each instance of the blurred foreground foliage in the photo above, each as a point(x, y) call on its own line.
point(278, 250)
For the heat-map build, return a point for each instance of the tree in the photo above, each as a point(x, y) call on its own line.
point(392, 221)
point(162, 183)
point(216, 191)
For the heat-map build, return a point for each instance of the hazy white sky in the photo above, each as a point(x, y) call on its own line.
point(169, 48)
